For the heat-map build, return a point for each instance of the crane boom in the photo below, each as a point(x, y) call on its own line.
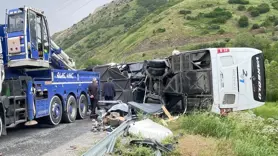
point(61, 58)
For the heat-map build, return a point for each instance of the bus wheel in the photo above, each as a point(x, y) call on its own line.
point(56, 111)
point(83, 106)
point(1, 125)
point(70, 113)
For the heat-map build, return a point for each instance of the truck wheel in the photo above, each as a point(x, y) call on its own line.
point(82, 106)
point(56, 111)
point(70, 113)
point(1, 125)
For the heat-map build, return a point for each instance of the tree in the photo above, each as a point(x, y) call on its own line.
point(263, 8)
point(248, 40)
point(243, 21)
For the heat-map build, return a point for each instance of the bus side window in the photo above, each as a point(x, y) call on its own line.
point(226, 61)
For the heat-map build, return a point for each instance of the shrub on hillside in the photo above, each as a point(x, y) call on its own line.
point(241, 8)
point(238, 1)
point(250, 8)
point(275, 5)
point(263, 8)
point(227, 39)
point(160, 30)
point(210, 45)
point(266, 23)
point(248, 40)
point(185, 12)
point(218, 12)
point(220, 15)
point(243, 21)
point(214, 27)
point(276, 22)
point(221, 31)
point(151, 5)
point(255, 26)
point(255, 12)
point(272, 18)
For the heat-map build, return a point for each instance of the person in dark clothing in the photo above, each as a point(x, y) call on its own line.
point(108, 90)
point(94, 97)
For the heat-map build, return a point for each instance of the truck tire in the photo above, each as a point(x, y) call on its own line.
point(55, 111)
point(82, 106)
point(1, 126)
point(70, 112)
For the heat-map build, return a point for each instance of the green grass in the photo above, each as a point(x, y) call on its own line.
point(269, 110)
point(247, 133)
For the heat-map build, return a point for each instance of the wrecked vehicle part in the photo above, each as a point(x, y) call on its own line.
point(107, 144)
point(147, 108)
point(182, 82)
point(151, 143)
point(150, 130)
point(119, 107)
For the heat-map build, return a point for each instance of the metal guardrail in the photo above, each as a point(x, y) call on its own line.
point(106, 145)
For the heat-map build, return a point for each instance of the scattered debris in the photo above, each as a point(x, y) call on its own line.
point(151, 143)
point(150, 130)
point(146, 107)
point(73, 148)
point(119, 107)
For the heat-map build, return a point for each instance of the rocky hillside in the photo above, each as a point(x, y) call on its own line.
point(132, 30)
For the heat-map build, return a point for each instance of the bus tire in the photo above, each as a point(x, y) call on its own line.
point(156, 71)
point(82, 107)
point(55, 111)
point(157, 64)
point(70, 112)
point(1, 125)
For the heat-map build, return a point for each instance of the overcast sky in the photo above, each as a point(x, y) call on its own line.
point(61, 14)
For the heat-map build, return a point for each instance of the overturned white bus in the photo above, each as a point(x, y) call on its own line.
point(216, 79)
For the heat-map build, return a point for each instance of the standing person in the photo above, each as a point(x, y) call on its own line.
point(93, 92)
point(108, 90)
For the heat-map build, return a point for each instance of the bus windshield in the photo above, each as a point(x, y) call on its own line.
point(15, 22)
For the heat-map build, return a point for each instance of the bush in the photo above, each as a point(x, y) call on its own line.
point(238, 1)
point(272, 18)
point(255, 12)
point(151, 5)
point(266, 23)
point(221, 31)
point(248, 40)
point(250, 8)
point(275, 5)
point(241, 8)
point(255, 26)
point(218, 12)
point(263, 8)
point(210, 45)
point(276, 22)
point(160, 30)
point(214, 27)
point(185, 12)
point(243, 21)
point(227, 39)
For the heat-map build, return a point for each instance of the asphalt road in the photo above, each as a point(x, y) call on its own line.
point(40, 139)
